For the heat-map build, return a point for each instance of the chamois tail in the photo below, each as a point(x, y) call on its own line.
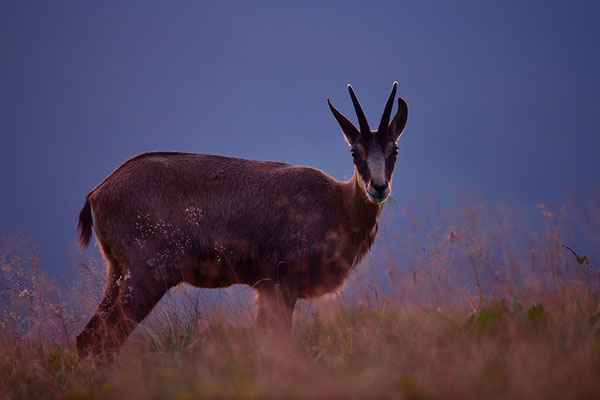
point(84, 226)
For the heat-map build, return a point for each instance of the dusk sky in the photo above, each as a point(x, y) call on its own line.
point(503, 97)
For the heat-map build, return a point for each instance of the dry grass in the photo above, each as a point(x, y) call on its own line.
point(475, 305)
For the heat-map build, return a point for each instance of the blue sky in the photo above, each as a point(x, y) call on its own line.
point(502, 96)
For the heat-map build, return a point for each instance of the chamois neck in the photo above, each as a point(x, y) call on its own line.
point(364, 211)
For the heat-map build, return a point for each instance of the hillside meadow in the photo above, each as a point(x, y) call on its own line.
point(477, 301)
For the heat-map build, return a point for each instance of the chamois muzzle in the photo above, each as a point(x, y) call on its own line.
point(378, 192)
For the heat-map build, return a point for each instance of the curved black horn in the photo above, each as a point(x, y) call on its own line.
point(362, 120)
point(387, 111)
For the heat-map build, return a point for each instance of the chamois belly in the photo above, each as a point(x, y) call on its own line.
point(218, 267)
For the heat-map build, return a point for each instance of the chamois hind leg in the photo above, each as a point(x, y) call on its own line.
point(89, 341)
point(139, 289)
point(275, 306)
point(138, 296)
point(139, 293)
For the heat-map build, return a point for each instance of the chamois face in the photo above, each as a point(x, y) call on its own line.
point(374, 157)
point(374, 152)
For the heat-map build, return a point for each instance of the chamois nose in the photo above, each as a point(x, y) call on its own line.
point(380, 188)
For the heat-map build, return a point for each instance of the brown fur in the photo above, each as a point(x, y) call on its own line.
point(163, 218)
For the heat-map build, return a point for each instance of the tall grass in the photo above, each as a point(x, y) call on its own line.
point(483, 301)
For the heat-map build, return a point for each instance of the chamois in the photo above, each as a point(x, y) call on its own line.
point(288, 231)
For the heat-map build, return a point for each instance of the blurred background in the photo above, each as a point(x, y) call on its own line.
point(502, 98)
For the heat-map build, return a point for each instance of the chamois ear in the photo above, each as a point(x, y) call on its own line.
point(350, 132)
point(397, 126)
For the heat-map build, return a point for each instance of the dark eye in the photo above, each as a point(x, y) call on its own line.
point(395, 151)
point(354, 153)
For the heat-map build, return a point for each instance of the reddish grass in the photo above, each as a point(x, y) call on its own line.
point(468, 302)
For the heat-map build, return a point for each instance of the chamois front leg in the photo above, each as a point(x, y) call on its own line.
point(275, 306)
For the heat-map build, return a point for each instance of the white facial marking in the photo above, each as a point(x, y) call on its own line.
point(376, 164)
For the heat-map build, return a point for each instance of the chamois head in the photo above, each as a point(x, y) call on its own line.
point(374, 152)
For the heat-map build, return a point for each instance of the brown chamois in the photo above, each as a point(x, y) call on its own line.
point(288, 231)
